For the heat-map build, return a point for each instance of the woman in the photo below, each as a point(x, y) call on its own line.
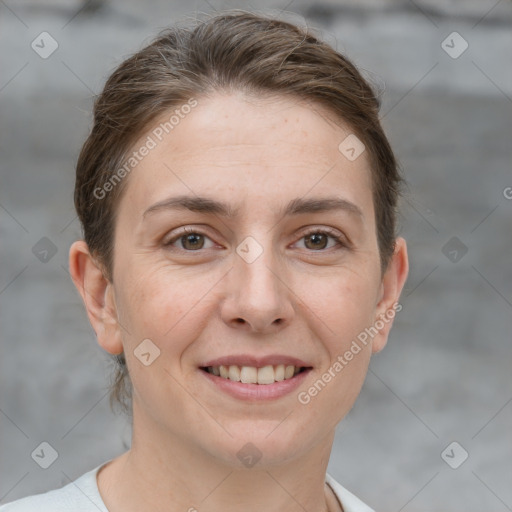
point(237, 196)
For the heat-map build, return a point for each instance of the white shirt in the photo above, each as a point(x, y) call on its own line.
point(83, 495)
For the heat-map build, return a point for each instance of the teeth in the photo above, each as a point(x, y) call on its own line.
point(266, 375)
point(234, 373)
point(249, 375)
point(252, 375)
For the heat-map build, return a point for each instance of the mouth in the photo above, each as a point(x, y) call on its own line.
point(254, 378)
point(264, 375)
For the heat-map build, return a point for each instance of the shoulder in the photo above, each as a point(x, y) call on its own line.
point(82, 495)
point(349, 501)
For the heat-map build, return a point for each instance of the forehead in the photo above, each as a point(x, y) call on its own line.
point(236, 148)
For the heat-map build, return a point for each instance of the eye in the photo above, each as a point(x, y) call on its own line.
point(191, 240)
point(317, 239)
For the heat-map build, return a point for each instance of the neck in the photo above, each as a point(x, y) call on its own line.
point(161, 473)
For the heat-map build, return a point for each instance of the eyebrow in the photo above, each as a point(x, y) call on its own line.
point(297, 206)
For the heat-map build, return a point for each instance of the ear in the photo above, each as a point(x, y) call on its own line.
point(98, 295)
point(391, 287)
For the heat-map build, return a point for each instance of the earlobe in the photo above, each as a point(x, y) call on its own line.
point(392, 284)
point(97, 294)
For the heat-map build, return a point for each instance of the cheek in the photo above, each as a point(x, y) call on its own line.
point(156, 306)
point(350, 346)
point(166, 306)
point(349, 313)
point(347, 374)
point(346, 305)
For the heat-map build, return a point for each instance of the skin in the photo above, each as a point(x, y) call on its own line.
point(198, 304)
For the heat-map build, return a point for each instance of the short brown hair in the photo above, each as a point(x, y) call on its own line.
point(235, 50)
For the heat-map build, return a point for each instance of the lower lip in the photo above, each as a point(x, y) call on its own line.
point(257, 391)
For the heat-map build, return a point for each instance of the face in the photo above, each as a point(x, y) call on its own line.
point(279, 267)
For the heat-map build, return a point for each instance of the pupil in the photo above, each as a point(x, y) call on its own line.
point(192, 239)
point(318, 238)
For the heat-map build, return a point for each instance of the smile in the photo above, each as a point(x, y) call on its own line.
point(252, 375)
point(253, 383)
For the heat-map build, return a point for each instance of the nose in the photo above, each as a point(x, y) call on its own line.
point(258, 297)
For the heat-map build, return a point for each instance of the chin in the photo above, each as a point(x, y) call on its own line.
point(262, 444)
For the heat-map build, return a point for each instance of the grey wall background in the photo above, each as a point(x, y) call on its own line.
point(445, 375)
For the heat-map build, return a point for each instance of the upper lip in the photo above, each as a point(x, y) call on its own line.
point(255, 361)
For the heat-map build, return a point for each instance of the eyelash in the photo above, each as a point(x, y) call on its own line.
point(340, 240)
